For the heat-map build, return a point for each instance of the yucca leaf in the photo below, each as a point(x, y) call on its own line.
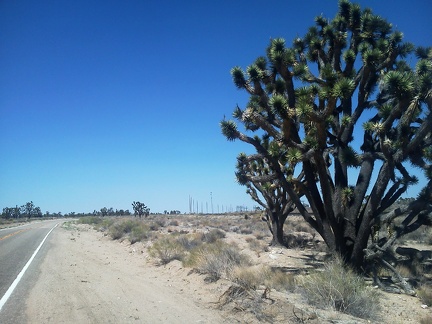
point(229, 130)
point(238, 77)
point(343, 88)
point(278, 104)
point(255, 73)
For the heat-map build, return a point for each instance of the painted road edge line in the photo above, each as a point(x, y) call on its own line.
point(12, 287)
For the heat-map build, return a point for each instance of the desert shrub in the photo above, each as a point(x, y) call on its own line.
point(425, 294)
point(304, 227)
point(340, 289)
point(166, 250)
point(234, 229)
point(298, 239)
point(189, 242)
point(90, 220)
point(246, 277)
point(173, 222)
point(104, 225)
point(139, 233)
point(116, 232)
point(246, 231)
point(275, 278)
point(216, 260)
point(244, 299)
point(119, 229)
point(256, 246)
point(213, 235)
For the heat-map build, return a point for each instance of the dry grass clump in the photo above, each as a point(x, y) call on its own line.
point(189, 242)
point(340, 289)
point(257, 246)
point(167, 249)
point(139, 233)
point(216, 260)
point(213, 235)
point(426, 320)
point(425, 294)
point(244, 299)
point(246, 277)
point(157, 224)
point(275, 278)
point(173, 222)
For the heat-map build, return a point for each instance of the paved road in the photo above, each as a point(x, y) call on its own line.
point(17, 246)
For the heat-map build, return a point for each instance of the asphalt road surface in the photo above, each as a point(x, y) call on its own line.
point(20, 255)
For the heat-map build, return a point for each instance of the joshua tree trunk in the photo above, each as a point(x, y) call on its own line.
point(277, 232)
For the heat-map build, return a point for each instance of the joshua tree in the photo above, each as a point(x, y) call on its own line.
point(263, 186)
point(140, 209)
point(352, 118)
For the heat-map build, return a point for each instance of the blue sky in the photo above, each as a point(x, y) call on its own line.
point(107, 102)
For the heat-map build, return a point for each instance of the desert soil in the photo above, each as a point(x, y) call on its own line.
point(88, 278)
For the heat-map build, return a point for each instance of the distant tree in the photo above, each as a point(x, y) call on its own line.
point(104, 211)
point(30, 210)
point(140, 209)
point(8, 212)
point(345, 116)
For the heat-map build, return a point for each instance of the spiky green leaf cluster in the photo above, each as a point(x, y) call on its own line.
point(229, 129)
point(399, 84)
point(278, 104)
point(343, 88)
point(294, 155)
point(238, 77)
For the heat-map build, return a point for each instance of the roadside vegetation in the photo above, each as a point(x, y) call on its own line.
point(205, 244)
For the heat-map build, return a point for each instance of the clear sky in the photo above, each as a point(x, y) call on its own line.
point(105, 102)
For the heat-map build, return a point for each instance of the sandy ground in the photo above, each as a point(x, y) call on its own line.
point(88, 278)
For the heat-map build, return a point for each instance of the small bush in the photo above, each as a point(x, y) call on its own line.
point(139, 233)
point(275, 278)
point(189, 242)
point(174, 222)
point(166, 250)
point(216, 260)
point(340, 289)
point(256, 246)
point(213, 235)
point(246, 231)
point(119, 229)
point(105, 224)
point(116, 232)
point(246, 277)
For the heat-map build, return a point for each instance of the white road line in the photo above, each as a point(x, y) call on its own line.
point(12, 287)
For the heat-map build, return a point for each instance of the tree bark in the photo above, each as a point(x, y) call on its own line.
point(277, 231)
